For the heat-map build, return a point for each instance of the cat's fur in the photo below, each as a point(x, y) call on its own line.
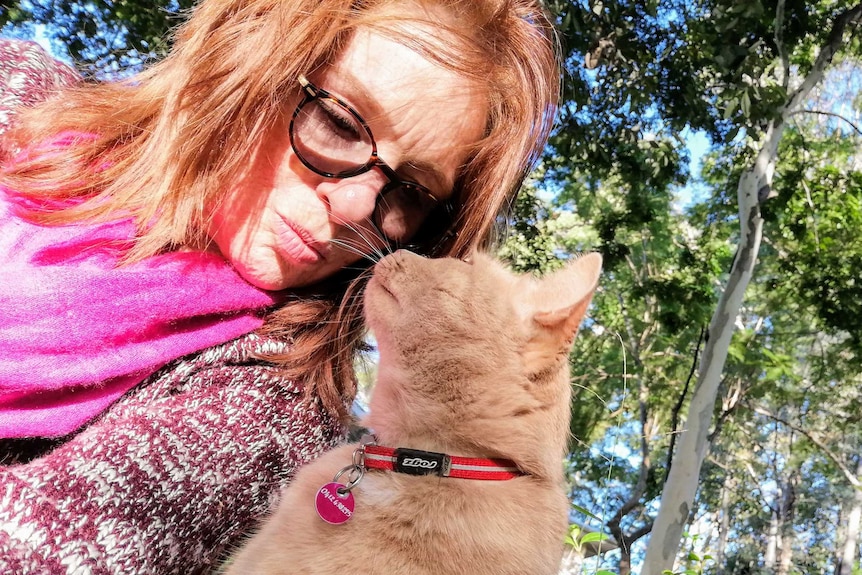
point(473, 362)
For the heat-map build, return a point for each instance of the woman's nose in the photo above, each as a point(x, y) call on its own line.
point(352, 200)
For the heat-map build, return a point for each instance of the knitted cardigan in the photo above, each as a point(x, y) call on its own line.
point(170, 477)
point(28, 75)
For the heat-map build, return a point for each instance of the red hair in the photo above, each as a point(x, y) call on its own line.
point(166, 141)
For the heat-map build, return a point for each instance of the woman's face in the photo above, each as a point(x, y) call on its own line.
point(282, 225)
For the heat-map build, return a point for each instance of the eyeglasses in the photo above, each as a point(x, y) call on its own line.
point(331, 139)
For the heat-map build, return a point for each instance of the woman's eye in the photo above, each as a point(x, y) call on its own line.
point(340, 122)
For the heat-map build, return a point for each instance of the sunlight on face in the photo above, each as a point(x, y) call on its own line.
point(282, 225)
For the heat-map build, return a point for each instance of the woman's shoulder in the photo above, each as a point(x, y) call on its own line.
point(28, 75)
point(29, 65)
point(239, 362)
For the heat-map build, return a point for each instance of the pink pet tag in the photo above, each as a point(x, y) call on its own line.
point(332, 506)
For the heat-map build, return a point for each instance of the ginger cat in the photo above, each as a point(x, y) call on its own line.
point(473, 364)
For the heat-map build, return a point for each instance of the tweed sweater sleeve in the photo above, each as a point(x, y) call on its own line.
point(168, 478)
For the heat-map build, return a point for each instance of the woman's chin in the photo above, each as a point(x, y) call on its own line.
point(272, 277)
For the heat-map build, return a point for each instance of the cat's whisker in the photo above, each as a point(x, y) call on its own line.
point(354, 248)
point(595, 394)
point(372, 237)
point(363, 248)
point(354, 268)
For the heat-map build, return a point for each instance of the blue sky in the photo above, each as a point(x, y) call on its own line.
point(698, 145)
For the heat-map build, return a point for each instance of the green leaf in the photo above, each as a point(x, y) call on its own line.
point(745, 103)
point(594, 537)
point(586, 512)
point(730, 108)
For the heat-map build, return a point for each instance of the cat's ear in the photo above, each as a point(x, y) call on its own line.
point(561, 299)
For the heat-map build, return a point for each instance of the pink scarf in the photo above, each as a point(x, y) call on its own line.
point(76, 331)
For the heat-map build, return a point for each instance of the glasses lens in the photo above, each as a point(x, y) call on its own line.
point(402, 209)
point(329, 138)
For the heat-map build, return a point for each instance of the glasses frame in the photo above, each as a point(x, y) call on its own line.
point(311, 93)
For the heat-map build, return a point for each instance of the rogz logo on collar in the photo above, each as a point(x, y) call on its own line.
point(416, 462)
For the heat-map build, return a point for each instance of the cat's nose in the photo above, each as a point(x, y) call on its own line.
point(399, 259)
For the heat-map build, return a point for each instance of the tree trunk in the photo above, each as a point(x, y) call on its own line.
point(626, 540)
point(755, 185)
point(850, 546)
point(681, 485)
point(772, 536)
point(625, 565)
point(787, 512)
point(785, 558)
point(723, 524)
point(840, 540)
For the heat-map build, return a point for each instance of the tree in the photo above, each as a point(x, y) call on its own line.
point(632, 360)
point(104, 38)
point(739, 58)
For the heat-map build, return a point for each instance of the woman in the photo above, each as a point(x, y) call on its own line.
point(198, 235)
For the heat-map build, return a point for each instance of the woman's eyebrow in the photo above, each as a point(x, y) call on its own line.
point(351, 89)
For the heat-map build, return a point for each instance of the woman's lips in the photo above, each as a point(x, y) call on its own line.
point(298, 244)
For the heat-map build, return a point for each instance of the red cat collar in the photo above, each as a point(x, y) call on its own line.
point(416, 462)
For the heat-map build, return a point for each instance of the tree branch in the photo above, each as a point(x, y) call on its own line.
point(726, 413)
point(848, 19)
point(779, 43)
point(832, 114)
point(851, 477)
point(640, 532)
point(646, 464)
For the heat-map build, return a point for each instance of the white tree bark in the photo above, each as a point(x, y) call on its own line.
point(724, 523)
point(771, 553)
point(755, 185)
point(850, 549)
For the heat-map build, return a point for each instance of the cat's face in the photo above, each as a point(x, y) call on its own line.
point(440, 314)
point(469, 344)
